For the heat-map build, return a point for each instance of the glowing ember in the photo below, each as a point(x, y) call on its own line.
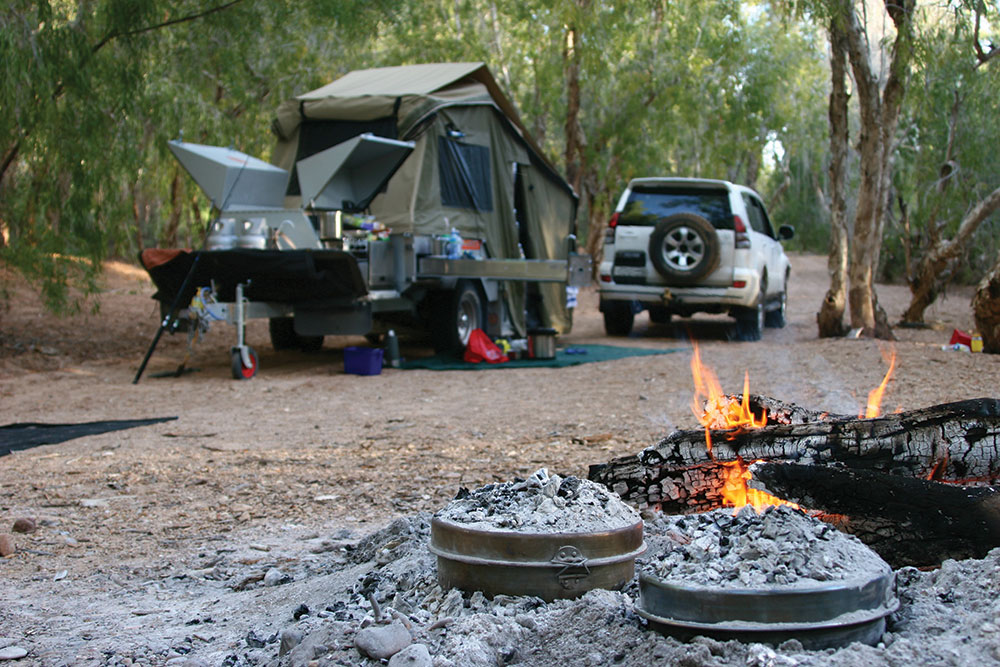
point(722, 412)
point(874, 408)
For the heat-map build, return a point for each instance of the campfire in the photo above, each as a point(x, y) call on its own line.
point(731, 415)
point(716, 411)
point(912, 485)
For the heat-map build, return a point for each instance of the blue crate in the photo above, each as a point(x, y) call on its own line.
point(363, 360)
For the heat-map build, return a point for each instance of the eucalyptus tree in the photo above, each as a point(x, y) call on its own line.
point(949, 184)
point(92, 88)
point(880, 93)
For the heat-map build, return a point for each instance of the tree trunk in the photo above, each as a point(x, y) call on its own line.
point(169, 239)
point(830, 318)
point(986, 308)
point(574, 140)
point(879, 114)
point(937, 258)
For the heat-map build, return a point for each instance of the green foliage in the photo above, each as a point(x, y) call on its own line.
point(945, 162)
point(93, 91)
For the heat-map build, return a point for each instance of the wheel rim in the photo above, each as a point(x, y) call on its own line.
point(468, 316)
point(683, 248)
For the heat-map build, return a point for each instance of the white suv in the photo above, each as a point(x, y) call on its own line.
point(677, 246)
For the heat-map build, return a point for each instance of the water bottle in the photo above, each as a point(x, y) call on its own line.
point(454, 244)
point(392, 348)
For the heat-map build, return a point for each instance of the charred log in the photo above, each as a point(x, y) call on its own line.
point(954, 441)
point(907, 521)
point(874, 464)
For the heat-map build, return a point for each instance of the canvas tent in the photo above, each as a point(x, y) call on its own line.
point(474, 166)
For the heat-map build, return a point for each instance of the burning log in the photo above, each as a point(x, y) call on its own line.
point(908, 521)
point(958, 442)
point(694, 471)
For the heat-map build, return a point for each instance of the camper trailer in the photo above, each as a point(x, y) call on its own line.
point(399, 195)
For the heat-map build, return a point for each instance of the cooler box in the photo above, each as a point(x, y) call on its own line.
point(363, 360)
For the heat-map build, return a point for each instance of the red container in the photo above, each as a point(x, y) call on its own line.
point(961, 338)
point(363, 360)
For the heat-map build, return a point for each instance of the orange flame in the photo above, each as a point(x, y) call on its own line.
point(737, 493)
point(714, 410)
point(874, 408)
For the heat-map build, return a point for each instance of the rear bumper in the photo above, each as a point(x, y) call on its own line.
point(688, 298)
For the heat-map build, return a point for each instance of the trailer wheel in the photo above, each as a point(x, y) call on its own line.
point(241, 371)
point(455, 315)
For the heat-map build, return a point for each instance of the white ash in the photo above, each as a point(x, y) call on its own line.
point(543, 503)
point(781, 546)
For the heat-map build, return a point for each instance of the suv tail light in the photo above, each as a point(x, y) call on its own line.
point(609, 233)
point(741, 237)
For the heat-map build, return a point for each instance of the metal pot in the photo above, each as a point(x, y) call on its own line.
point(252, 233)
point(222, 235)
point(542, 343)
point(547, 565)
point(823, 616)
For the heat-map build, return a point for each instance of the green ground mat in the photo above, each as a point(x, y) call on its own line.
point(573, 355)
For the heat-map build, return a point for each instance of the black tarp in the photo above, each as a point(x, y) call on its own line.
point(303, 277)
point(32, 434)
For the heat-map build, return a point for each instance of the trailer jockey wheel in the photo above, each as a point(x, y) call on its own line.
point(244, 362)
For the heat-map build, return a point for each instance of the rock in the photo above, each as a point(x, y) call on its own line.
point(414, 655)
point(289, 640)
point(274, 577)
point(93, 502)
point(25, 525)
point(12, 653)
point(382, 641)
point(7, 546)
point(300, 611)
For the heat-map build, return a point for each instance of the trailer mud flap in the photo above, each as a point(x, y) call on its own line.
point(352, 320)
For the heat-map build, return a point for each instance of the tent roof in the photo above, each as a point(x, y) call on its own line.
point(402, 80)
point(441, 84)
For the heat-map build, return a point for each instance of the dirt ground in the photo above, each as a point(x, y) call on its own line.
point(303, 453)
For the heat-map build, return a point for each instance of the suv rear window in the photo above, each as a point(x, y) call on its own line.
point(648, 203)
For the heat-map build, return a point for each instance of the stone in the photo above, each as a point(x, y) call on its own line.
point(289, 640)
point(7, 546)
point(25, 525)
point(414, 655)
point(12, 653)
point(275, 577)
point(380, 642)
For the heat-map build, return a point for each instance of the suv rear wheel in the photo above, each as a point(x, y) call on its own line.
point(775, 319)
point(618, 317)
point(684, 247)
point(750, 322)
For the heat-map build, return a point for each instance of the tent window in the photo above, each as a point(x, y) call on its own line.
point(465, 175)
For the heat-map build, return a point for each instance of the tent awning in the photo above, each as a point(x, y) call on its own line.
point(232, 179)
point(347, 176)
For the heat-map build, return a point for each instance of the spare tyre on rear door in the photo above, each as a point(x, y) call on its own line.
point(684, 248)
